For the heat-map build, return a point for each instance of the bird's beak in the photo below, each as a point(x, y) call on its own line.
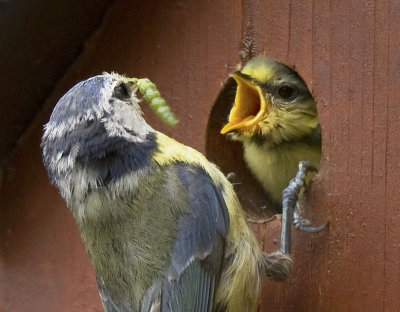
point(131, 82)
point(250, 105)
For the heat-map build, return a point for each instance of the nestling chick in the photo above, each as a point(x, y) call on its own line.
point(275, 117)
point(161, 224)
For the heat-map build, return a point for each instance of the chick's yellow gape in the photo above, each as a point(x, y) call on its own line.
point(275, 117)
point(162, 226)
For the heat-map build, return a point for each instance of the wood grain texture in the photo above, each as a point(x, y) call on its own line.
point(348, 55)
point(187, 49)
point(352, 69)
point(347, 52)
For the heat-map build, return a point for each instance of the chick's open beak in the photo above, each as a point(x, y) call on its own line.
point(250, 105)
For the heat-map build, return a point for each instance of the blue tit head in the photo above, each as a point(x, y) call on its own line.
point(89, 137)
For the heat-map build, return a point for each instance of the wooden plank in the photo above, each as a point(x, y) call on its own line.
point(187, 49)
point(39, 40)
point(355, 84)
point(392, 170)
point(347, 52)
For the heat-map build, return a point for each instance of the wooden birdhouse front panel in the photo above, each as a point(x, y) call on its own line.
point(347, 53)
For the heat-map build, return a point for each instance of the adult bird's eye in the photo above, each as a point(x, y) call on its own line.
point(287, 92)
point(122, 91)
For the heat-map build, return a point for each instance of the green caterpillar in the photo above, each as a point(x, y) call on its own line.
point(156, 102)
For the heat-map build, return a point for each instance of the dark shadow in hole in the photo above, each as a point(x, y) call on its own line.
point(228, 155)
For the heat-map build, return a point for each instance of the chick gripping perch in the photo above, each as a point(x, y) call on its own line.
point(291, 212)
point(275, 118)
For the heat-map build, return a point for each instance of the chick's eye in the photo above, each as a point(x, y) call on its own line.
point(121, 91)
point(287, 92)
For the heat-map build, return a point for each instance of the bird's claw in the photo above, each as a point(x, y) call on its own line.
point(313, 229)
point(303, 224)
point(300, 223)
point(291, 213)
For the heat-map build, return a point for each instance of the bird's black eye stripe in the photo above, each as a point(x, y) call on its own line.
point(266, 87)
point(288, 92)
point(122, 91)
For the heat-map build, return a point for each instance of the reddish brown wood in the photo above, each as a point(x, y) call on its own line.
point(182, 47)
point(39, 40)
point(353, 265)
point(347, 52)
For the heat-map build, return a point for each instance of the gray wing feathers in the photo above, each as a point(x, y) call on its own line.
point(152, 300)
point(190, 282)
point(197, 257)
point(201, 230)
point(193, 291)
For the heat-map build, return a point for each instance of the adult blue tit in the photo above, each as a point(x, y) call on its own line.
point(162, 226)
point(275, 118)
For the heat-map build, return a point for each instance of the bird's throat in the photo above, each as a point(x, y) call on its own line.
point(275, 165)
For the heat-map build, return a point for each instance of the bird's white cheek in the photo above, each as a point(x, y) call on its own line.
point(127, 117)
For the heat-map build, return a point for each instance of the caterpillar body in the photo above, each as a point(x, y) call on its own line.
point(153, 97)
